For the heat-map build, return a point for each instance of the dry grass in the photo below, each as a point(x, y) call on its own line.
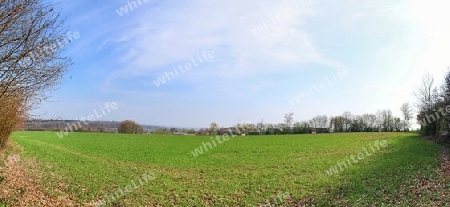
point(20, 182)
point(435, 190)
point(13, 109)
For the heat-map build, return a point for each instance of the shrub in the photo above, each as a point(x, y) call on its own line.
point(12, 115)
point(130, 127)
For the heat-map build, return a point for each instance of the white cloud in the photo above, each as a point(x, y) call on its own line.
point(173, 33)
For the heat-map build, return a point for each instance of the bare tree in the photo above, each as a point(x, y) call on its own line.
point(260, 127)
point(358, 124)
point(250, 128)
point(427, 96)
point(319, 122)
point(337, 124)
point(348, 119)
point(130, 127)
point(407, 116)
point(12, 114)
point(397, 124)
point(270, 128)
point(371, 122)
point(213, 129)
point(386, 120)
point(31, 38)
point(289, 121)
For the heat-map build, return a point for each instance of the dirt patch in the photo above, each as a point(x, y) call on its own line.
point(434, 191)
point(20, 182)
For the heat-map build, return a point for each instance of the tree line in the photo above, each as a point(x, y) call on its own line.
point(433, 105)
point(381, 121)
point(432, 108)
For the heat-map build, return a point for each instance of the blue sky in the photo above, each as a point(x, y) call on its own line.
point(265, 53)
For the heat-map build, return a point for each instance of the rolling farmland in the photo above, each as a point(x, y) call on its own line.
point(319, 169)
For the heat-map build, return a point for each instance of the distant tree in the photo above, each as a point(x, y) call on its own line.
point(240, 128)
point(260, 127)
point(270, 129)
point(348, 120)
point(371, 122)
point(130, 127)
point(222, 131)
point(279, 128)
point(250, 128)
point(301, 128)
point(331, 124)
point(282, 128)
point(398, 125)
point(319, 122)
point(358, 124)
point(407, 116)
point(288, 121)
point(246, 128)
point(379, 120)
point(306, 128)
point(203, 132)
point(213, 129)
point(337, 124)
point(427, 96)
point(191, 131)
point(386, 120)
point(297, 129)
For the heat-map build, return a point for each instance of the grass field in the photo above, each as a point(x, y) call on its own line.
point(243, 171)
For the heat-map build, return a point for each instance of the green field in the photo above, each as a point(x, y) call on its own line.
point(243, 171)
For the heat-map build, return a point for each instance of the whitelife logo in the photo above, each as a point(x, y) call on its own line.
point(129, 6)
point(184, 67)
point(340, 166)
point(108, 108)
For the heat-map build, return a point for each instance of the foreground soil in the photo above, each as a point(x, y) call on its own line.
point(20, 183)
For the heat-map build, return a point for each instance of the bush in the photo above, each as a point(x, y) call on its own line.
point(12, 115)
point(130, 127)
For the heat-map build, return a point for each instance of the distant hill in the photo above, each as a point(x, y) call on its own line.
point(77, 125)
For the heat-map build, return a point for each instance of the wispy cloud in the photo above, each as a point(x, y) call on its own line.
point(173, 32)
